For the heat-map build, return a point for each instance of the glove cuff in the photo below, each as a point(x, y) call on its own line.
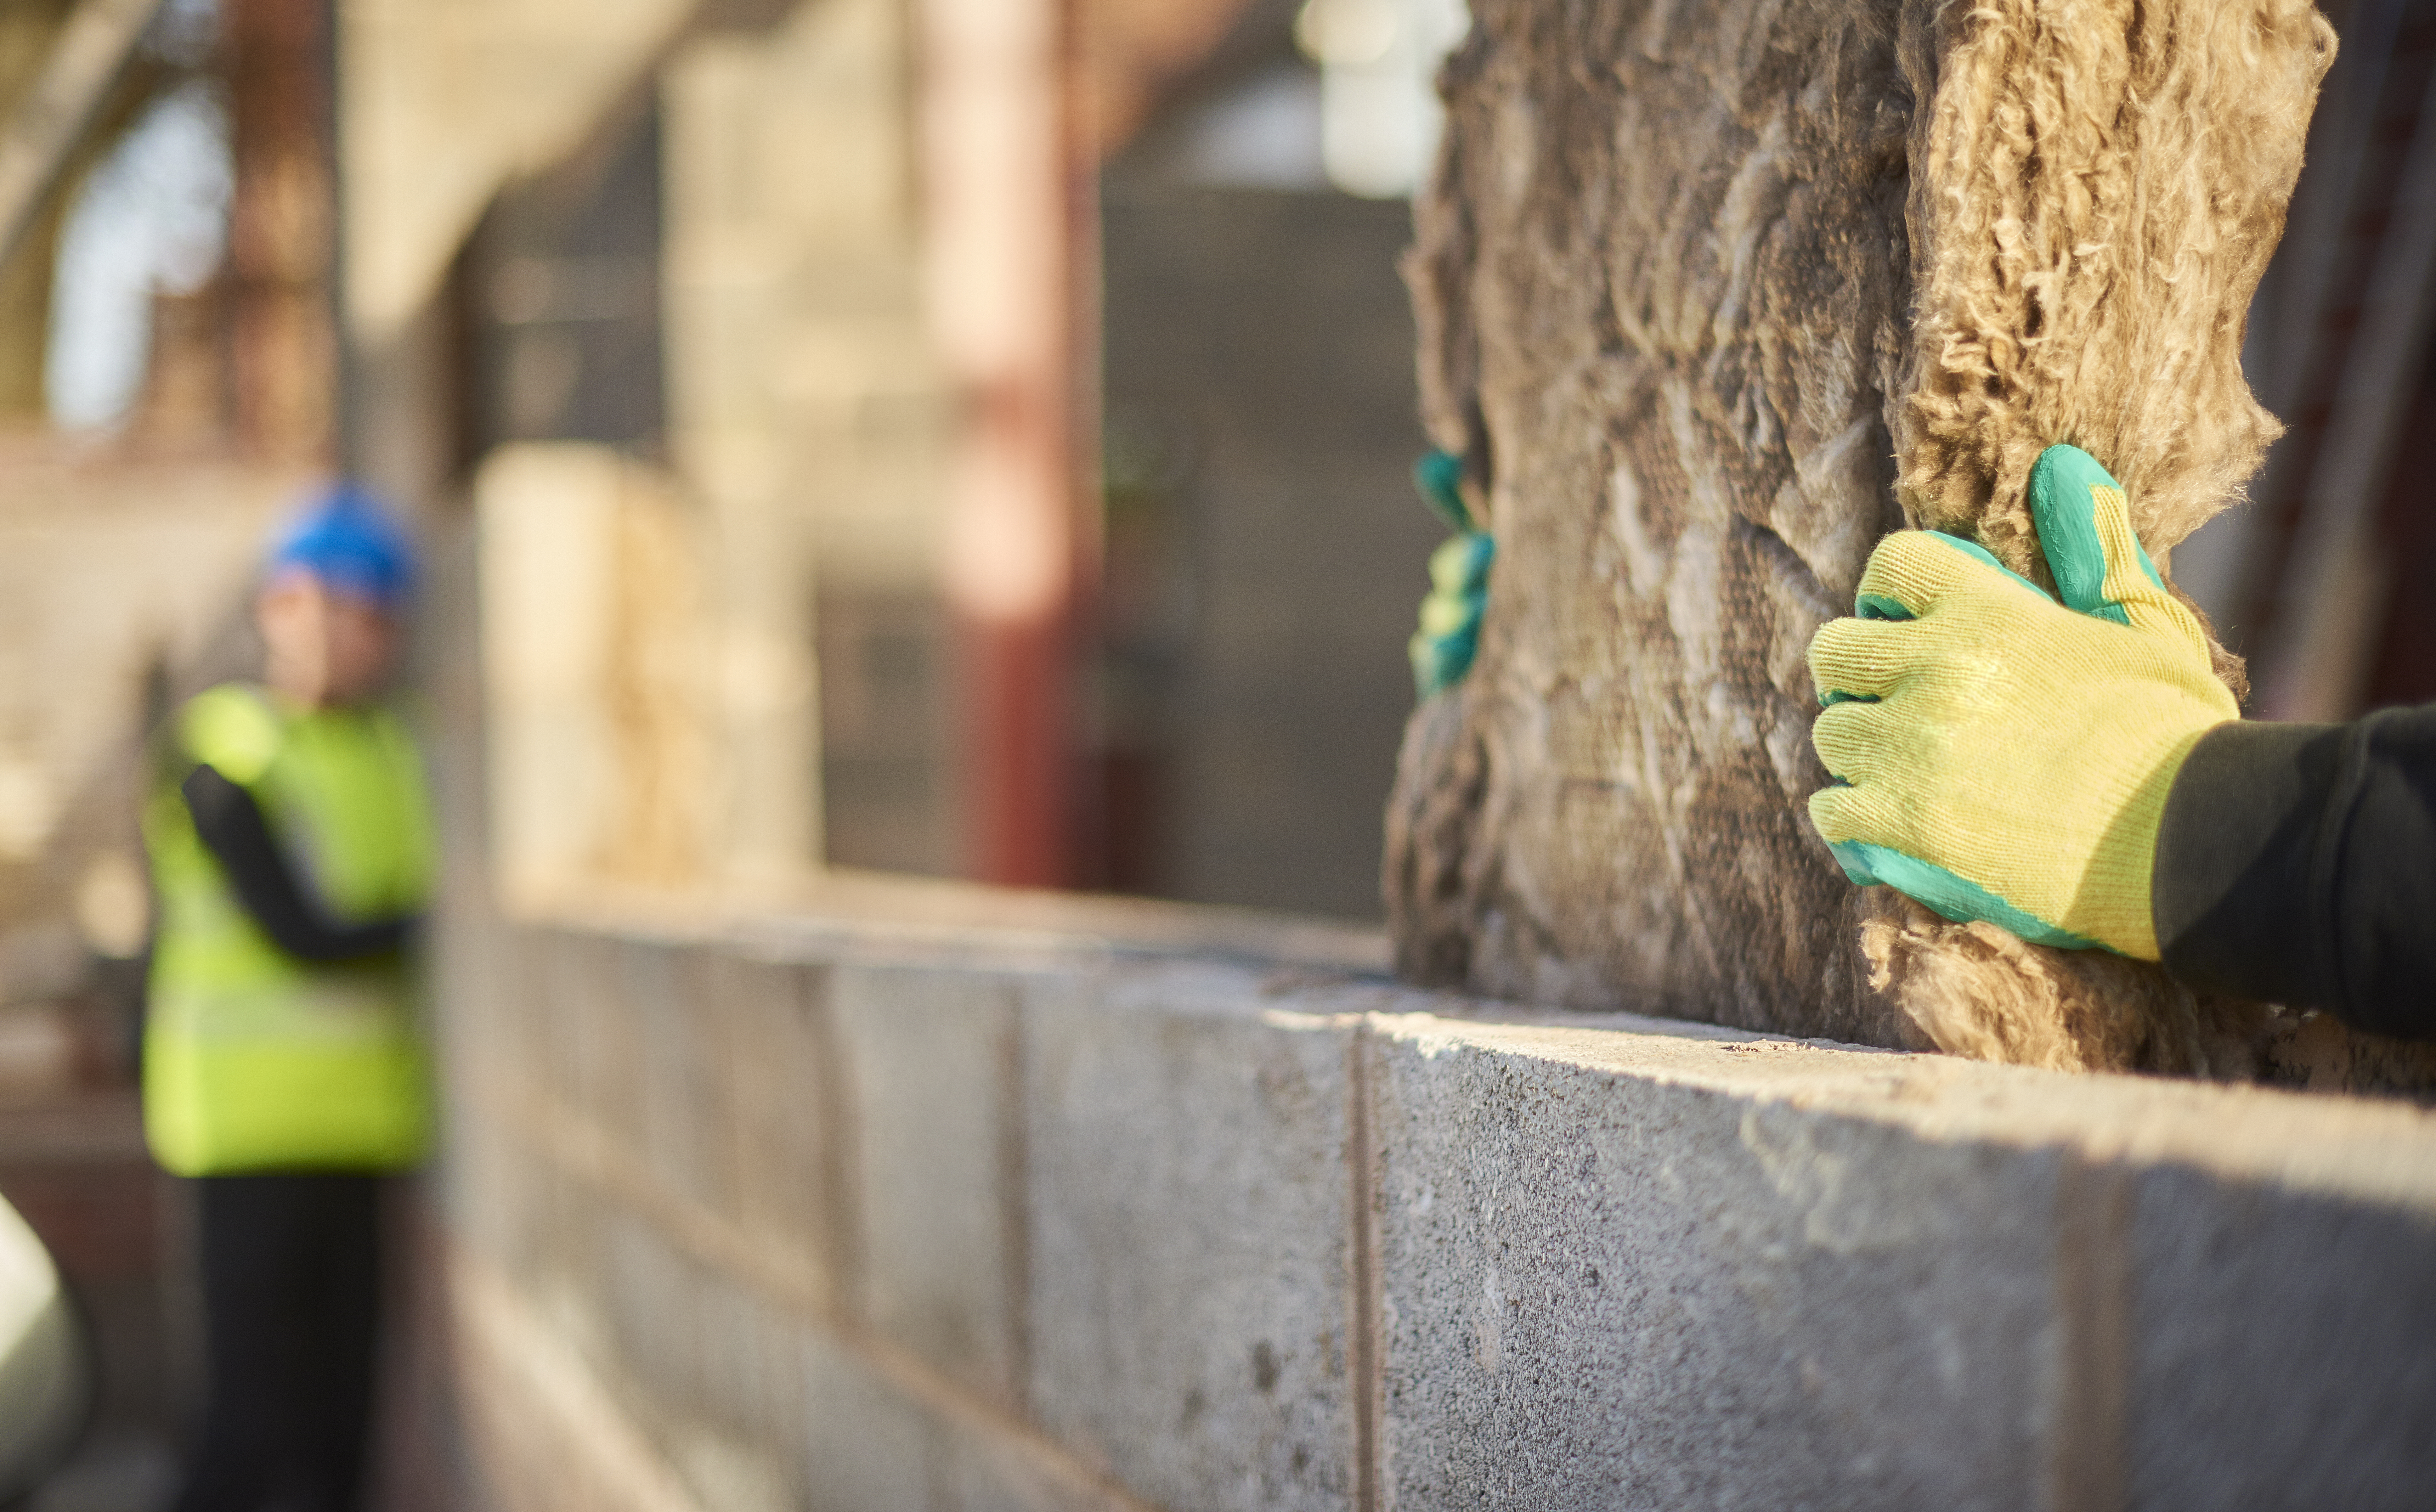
point(2115, 904)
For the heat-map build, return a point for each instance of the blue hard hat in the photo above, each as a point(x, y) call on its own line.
point(346, 539)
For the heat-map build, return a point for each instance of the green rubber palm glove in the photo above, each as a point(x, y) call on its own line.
point(2000, 755)
point(1442, 650)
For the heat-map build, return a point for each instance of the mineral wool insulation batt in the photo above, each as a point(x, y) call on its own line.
point(1711, 298)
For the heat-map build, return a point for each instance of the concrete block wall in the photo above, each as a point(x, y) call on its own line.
point(816, 1213)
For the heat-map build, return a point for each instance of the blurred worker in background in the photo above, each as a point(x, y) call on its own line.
point(2069, 767)
point(283, 1068)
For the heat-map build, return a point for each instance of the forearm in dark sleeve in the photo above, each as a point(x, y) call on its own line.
point(233, 829)
point(2297, 865)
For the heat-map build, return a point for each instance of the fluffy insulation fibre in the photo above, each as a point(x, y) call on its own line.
point(1710, 297)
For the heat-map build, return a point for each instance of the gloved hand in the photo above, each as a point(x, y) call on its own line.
point(2004, 757)
point(1442, 650)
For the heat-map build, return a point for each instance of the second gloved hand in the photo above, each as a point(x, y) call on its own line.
point(2003, 756)
point(1448, 634)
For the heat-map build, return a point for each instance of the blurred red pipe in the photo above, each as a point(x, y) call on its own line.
point(1009, 212)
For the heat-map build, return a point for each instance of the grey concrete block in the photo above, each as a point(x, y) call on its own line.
point(480, 1006)
point(1189, 1236)
point(2284, 1347)
point(723, 1388)
point(669, 1037)
point(507, 1201)
point(728, 1474)
point(476, 980)
point(652, 1297)
point(979, 1471)
point(559, 1256)
point(928, 1059)
point(753, 1391)
point(776, 1108)
point(482, 1194)
point(580, 1038)
point(863, 1447)
point(542, 1009)
point(1611, 1290)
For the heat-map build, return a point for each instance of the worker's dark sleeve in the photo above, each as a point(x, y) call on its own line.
point(2297, 865)
point(232, 827)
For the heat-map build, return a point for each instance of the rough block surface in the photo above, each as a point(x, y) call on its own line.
point(1187, 1196)
point(929, 1060)
point(1610, 1292)
point(1112, 1226)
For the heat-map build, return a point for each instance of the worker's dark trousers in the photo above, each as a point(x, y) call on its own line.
point(291, 1307)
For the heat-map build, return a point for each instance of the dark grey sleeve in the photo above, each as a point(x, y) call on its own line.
point(232, 829)
point(2297, 865)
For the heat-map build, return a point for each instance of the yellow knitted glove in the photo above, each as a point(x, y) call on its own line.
point(2002, 756)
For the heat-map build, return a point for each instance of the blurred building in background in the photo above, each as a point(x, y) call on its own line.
point(1260, 532)
point(959, 437)
point(932, 614)
point(955, 437)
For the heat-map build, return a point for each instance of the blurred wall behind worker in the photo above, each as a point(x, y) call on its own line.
point(767, 341)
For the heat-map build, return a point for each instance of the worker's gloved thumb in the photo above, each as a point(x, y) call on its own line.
point(2100, 568)
point(1437, 476)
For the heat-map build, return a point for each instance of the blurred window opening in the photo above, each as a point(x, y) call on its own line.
point(561, 295)
point(1379, 110)
point(152, 220)
point(1260, 544)
point(1264, 133)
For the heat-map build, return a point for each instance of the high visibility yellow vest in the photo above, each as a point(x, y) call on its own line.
point(254, 1060)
